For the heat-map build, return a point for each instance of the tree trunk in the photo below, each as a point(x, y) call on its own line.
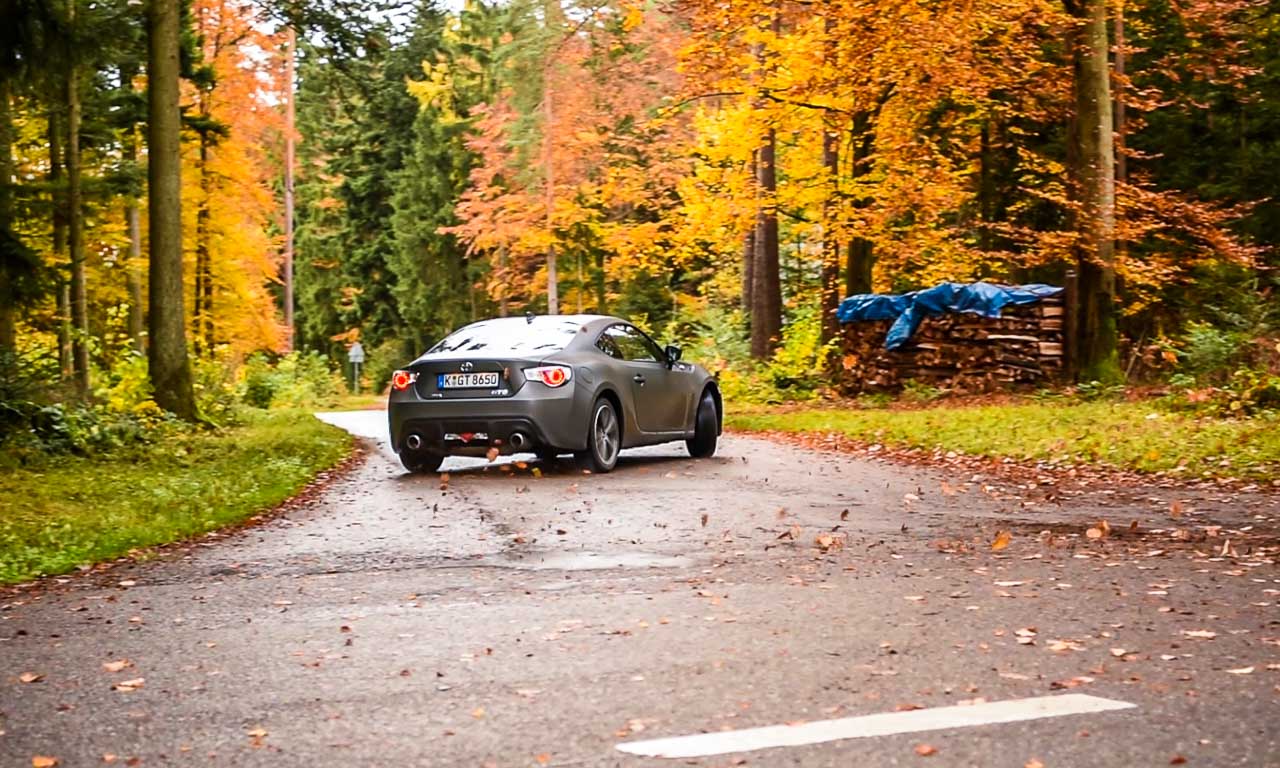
point(861, 263)
point(132, 218)
point(58, 235)
point(75, 242)
point(553, 288)
point(202, 320)
point(169, 367)
point(830, 244)
point(766, 279)
point(8, 312)
point(290, 127)
point(766, 288)
point(1095, 188)
point(602, 297)
point(749, 252)
point(133, 276)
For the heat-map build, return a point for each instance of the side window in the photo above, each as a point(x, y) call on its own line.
point(607, 345)
point(632, 344)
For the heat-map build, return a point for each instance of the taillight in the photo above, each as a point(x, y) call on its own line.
point(551, 375)
point(400, 380)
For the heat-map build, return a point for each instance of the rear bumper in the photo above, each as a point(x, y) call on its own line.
point(546, 418)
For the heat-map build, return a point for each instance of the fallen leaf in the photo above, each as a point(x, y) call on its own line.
point(1119, 653)
point(492, 453)
point(829, 543)
point(543, 758)
point(478, 713)
point(1201, 633)
point(1033, 763)
point(130, 685)
point(1175, 508)
point(704, 519)
point(43, 761)
point(116, 666)
point(844, 515)
point(30, 677)
point(926, 750)
point(914, 598)
point(1009, 583)
point(256, 733)
point(1240, 671)
point(1001, 541)
point(1177, 760)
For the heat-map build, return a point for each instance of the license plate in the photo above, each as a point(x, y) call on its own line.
point(487, 380)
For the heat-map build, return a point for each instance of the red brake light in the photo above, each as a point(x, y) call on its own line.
point(551, 375)
point(400, 380)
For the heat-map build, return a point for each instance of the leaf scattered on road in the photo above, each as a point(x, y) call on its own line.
point(116, 666)
point(926, 750)
point(30, 677)
point(1001, 541)
point(127, 686)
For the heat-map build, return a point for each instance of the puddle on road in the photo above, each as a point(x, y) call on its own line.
point(593, 561)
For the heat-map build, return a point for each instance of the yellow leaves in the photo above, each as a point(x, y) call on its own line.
point(44, 761)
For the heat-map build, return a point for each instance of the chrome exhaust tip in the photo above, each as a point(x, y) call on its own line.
point(413, 442)
point(518, 440)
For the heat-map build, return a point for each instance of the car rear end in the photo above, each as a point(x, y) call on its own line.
point(469, 395)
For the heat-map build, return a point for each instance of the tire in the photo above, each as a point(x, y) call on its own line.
point(604, 438)
point(421, 462)
point(705, 429)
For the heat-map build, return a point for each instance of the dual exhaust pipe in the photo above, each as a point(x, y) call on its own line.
point(414, 441)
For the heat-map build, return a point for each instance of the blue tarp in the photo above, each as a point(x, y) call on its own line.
point(907, 310)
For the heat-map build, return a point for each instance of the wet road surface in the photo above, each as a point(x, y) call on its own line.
point(526, 614)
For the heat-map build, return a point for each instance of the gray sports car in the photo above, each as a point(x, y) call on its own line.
point(550, 384)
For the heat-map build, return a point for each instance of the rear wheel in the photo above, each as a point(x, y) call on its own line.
point(421, 462)
point(604, 438)
point(705, 428)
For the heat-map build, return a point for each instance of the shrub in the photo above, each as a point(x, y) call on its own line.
point(297, 380)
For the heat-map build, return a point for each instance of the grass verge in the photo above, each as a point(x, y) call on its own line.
point(1125, 435)
point(70, 511)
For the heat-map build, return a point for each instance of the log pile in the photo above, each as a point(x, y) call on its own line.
point(962, 353)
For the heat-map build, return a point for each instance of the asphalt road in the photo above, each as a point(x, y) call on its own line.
point(520, 614)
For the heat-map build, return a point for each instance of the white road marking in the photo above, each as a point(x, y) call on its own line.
point(884, 724)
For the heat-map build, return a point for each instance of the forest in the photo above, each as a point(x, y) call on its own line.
point(198, 194)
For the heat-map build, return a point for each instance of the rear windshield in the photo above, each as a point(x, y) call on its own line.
point(511, 336)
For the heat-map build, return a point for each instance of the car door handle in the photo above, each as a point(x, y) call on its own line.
point(638, 379)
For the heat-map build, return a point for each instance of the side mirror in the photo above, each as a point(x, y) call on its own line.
point(673, 354)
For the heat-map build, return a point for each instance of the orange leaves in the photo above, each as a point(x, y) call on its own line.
point(1001, 541)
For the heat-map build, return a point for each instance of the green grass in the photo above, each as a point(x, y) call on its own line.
point(1128, 435)
point(69, 511)
point(362, 402)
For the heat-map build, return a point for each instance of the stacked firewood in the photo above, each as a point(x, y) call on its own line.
point(959, 352)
